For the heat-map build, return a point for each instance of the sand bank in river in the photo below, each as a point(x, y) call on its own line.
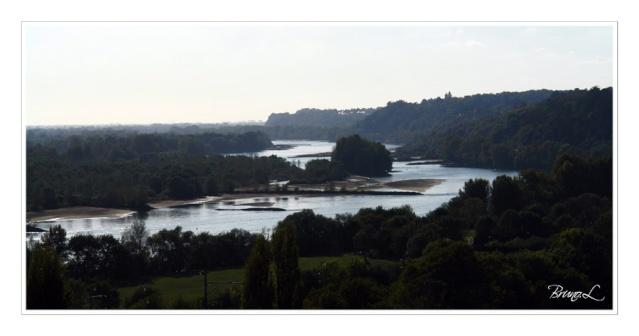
point(418, 185)
point(360, 183)
point(313, 155)
point(353, 184)
point(81, 212)
point(76, 213)
point(177, 203)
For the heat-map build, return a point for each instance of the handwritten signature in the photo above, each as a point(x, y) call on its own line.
point(558, 292)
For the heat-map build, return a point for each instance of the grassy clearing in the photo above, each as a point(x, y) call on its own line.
point(189, 288)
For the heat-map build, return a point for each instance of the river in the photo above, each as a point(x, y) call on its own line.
point(207, 217)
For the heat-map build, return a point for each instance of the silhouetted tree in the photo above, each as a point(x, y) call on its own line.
point(134, 237)
point(258, 287)
point(287, 272)
point(56, 238)
point(478, 188)
point(169, 250)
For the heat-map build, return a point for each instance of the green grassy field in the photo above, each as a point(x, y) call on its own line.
point(190, 288)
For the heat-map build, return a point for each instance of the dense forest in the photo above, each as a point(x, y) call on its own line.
point(508, 130)
point(399, 121)
point(402, 122)
point(577, 122)
point(128, 170)
point(124, 170)
point(54, 181)
point(494, 245)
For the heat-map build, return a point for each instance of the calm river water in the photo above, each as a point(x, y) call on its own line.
point(206, 217)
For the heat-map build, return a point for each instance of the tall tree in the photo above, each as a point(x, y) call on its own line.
point(56, 238)
point(287, 272)
point(478, 188)
point(134, 237)
point(258, 288)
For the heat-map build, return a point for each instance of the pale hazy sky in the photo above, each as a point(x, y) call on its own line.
point(132, 73)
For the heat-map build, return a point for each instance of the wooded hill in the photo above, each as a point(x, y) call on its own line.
point(508, 130)
point(316, 117)
point(401, 121)
point(577, 122)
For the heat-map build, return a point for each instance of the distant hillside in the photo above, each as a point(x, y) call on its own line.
point(569, 122)
point(402, 122)
point(319, 118)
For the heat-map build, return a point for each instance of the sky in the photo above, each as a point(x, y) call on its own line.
point(141, 73)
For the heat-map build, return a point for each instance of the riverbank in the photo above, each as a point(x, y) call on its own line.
point(178, 203)
point(313, 155)
point(79, 212)
point(418, 185)
point(309, 193)
point(362, 183)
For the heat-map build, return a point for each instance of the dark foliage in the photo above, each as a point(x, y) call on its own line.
point(317, 235)
point(287, 273)
point(258, 285)
point(54, 180)
point(492, 246)
point(314, 117)
point(110, 144)
point(321, 170)
point(362, 157)
point(45, 280)
point(448, 275)
point(577, 122)
point(496, 245)
point(402, 122)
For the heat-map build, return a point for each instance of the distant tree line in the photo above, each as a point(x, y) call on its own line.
point(494, 245)
point(397, 122)
point(330, 118)
point(92, 145)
